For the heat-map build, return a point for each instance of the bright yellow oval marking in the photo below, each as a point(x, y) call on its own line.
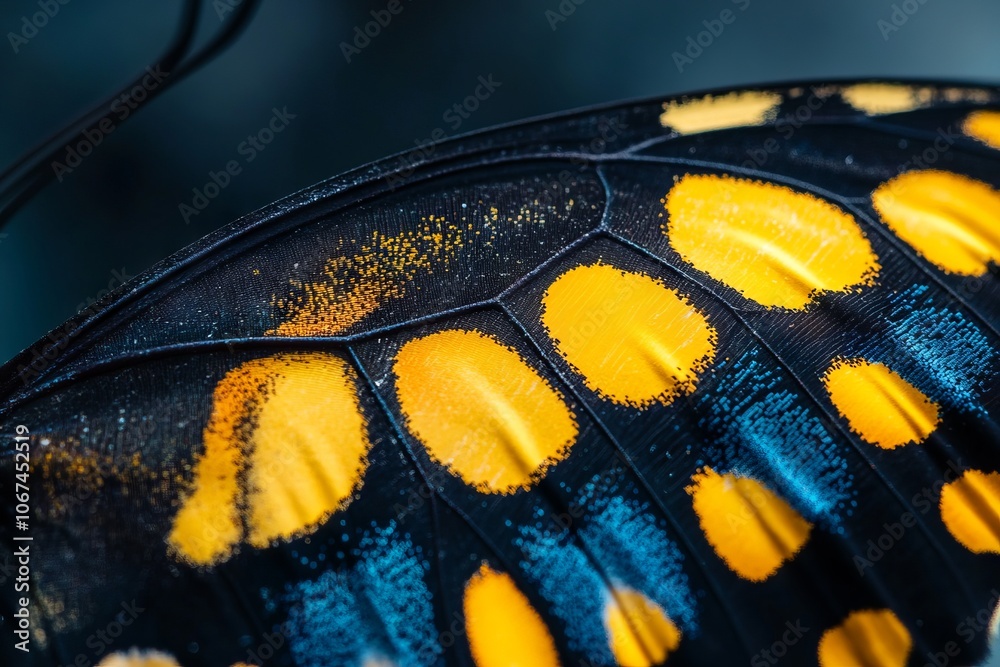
point(984, 126)
point(632, 339)
point(772, 244)
point(868, 638)
point(292, 425)
point(481, 410)
point(639, 632)
point(750, 527)
point(951, 220)
point(970, 509)
point(884, 98)
point(137, 658)
point(503, 628)
point(713, 112)
point(881, 407)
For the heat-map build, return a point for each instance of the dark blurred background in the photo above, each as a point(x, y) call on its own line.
point(118, 212)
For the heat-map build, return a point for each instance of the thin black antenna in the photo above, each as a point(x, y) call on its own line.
point(35, 167)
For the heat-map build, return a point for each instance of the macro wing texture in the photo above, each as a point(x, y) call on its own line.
point(695, 381)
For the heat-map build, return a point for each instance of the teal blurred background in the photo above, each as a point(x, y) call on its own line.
point(118, 212)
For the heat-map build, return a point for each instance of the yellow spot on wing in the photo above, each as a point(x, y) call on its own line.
point(881, 407)
point(711, 112)
point(639, 633)
point(137, 658)
point(356, 281)
point(970, 509)
point(984, 126)
point(868, 638)
point(750, 527)
point(634, 340)
point(772, 244)
point(885, 98)
point(309, 449)
point(481, 410)
point(504, 629)
point(292, 424)
point(951, 220)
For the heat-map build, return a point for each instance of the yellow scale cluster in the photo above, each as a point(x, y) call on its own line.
point(357, 281)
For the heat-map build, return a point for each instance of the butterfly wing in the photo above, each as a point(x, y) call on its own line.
point(702, 380)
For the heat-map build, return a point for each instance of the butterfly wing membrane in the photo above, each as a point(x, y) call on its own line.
point(686, 381)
